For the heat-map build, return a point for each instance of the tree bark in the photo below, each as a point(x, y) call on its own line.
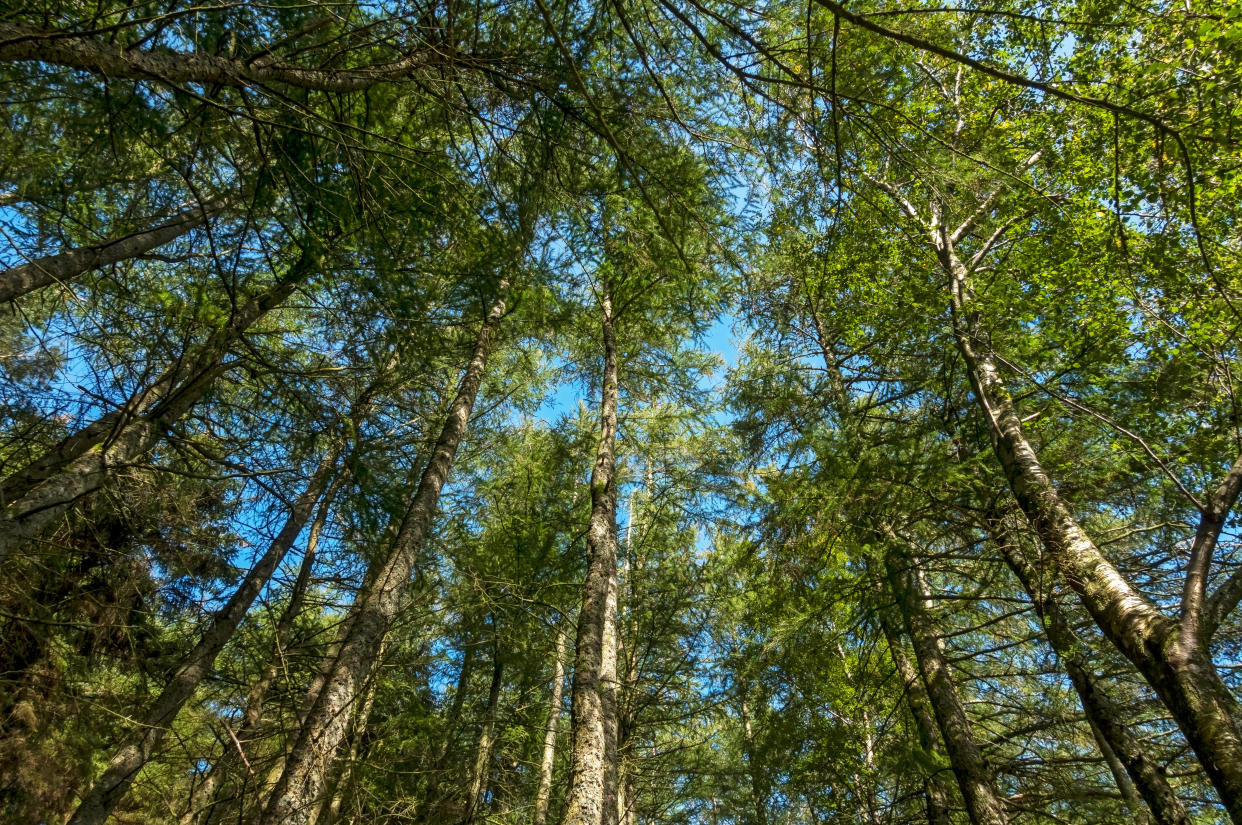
point(1129, 793)
point(213, 783)
point(47, 191)
point(759, 785)
point(915, 695)
point(345, 784)
point(22, 43)
point(80, 464)
point(1141, 773)
point(627, 810)
point(487, 737)
point(592, 798)
point(137, 748)
point(301, 783)
point(1172, 656)
point(544, 795)
point(431, 796)
point(984, 803)
point(70, 263)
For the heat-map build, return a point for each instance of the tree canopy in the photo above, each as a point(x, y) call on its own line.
point(651, 412)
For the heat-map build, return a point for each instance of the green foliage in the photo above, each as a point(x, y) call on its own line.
point(790, 171)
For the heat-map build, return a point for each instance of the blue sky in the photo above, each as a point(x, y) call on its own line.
point(720, 339)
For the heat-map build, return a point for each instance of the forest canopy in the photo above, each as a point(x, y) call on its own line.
point(643, 412)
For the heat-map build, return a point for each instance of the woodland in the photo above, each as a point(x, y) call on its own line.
point(640, 412)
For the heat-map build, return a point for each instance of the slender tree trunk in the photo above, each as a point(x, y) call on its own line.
point(431, 797)
point(759, 785)
point(863, 784)
point(592, 798)
point(487, 737)
point(935, 791)
point(137, 748)
point(1129, 793)
point(40, 492)
point(1172, 655)
point(212, 785)
point(627, 667)
point(627, 810)
point(39, 192)
point(544, 795)
point(70, 263)
point(984, 804)
point(915, 694)
point(1141, 773)
point(301, 783)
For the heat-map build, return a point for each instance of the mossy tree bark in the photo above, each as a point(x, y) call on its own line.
point(984, 803)
point(551, 730)
point(207, 800)
point(1141, 775)
point(592, 798)
point(1171, 653)
point(68, 264)
point(81, 463)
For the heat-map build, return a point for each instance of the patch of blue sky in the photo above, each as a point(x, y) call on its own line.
point(569, 393)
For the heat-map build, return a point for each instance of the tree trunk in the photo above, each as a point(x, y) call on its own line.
point(487, 737)
point(984, 804)
point(343, 789)
point(627, 810)
point(592, 798)
point(1171, 655)
point(47, 191)
point(21, 43)
point(213, 783)
point(626, 700)
point(112, 786)
point(759, 785)
point(1129, 793)
point(431, 797)
point(915, 695)
point(42, 491)
point(70, 263)
point(1141, 773)
point(301, 783)
point(544, 796)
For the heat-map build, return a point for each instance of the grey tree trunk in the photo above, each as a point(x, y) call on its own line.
point(1141, 774)
point(627, 809)
point(915, 694)
point(35, 191)
point(1129, 793)
point(301, 783)
point(343, 794)
point(759, 784)
point(111, 787)
point(544, 795)
point(1171, 654)
point(432, 798)
point(984, 804)
point(37, 494)
point(592, 798)
point(70, 263)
